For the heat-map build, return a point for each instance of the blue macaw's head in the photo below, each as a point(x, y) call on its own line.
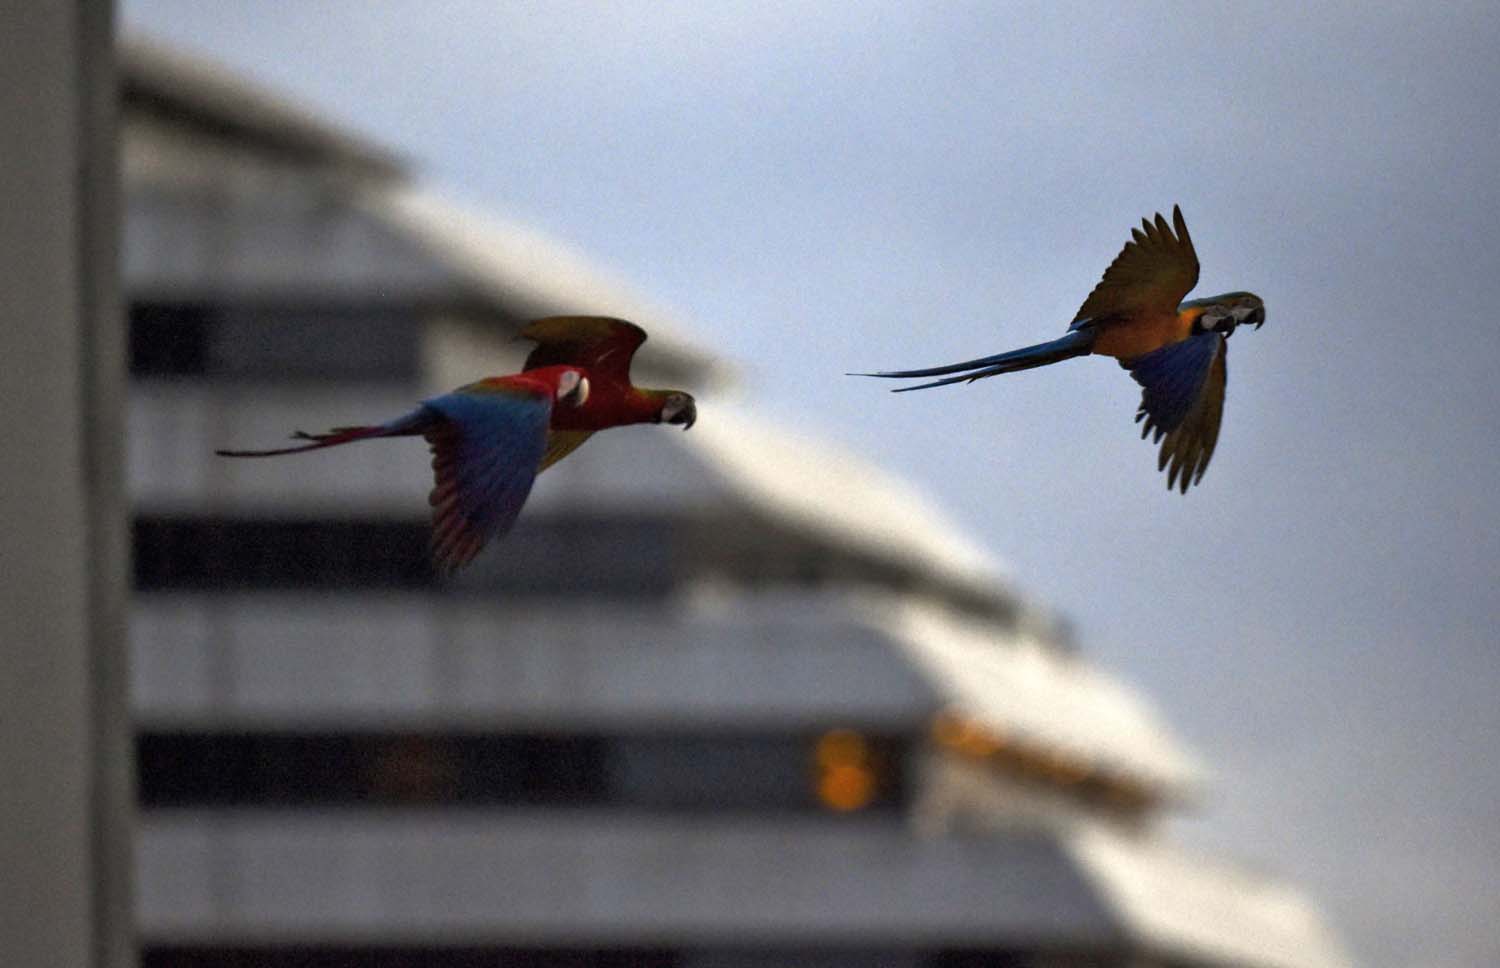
point(1224, 312)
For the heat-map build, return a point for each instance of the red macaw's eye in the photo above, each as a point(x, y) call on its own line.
point(573, 388)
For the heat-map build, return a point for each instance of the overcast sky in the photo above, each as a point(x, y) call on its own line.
point(819, 188)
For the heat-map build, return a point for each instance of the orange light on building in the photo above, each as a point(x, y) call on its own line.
point(846, 788)
point(845, 778)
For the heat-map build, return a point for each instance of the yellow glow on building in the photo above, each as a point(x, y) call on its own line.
point(1067, 770)
point(961, 735)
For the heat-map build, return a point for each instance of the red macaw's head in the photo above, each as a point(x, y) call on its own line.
point(567, 385)
point(675, 407)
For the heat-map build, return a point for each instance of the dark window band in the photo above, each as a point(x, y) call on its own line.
point(675, 772)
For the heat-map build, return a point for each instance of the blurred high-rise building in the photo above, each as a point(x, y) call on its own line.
point(724, 699)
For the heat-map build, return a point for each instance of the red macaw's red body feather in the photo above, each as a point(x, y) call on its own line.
point(488, 440)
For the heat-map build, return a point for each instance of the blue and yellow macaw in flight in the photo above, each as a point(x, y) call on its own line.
point(1174, 349)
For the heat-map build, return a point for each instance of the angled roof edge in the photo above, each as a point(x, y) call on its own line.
point(218, 99)
point(1200, 908)
point(813, 481)
point(528, 274)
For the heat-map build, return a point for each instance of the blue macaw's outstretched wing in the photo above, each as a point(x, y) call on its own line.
point(486, 450)
point(1182, 400)
point(1149, 277)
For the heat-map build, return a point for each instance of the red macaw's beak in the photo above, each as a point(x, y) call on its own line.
point(680, 409)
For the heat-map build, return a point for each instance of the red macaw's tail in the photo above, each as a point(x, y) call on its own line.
point(410, 425)
point(1076, 343)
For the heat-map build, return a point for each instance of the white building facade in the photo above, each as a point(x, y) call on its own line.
point(726, 698)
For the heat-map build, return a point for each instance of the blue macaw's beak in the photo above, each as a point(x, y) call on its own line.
point(1257, 316)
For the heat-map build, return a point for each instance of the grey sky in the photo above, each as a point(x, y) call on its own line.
point(846, 186)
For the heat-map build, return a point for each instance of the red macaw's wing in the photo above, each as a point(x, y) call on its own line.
point(561, 443)
point(1150, 275)
point(601, 344)
point(486, 450)
point(1182, 400)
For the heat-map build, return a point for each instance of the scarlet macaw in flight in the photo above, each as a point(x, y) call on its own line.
point(1175, 350)
point(491, 439)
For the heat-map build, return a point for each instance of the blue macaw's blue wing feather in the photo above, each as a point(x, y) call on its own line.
point(1171, 379)
point(1182, 397)
point(486, 449)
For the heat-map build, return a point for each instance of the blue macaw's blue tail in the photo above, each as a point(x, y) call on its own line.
point(1075, 343)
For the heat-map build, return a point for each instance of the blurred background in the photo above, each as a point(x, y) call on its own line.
point(838, 677)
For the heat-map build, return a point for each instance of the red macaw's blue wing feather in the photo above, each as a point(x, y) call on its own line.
point(1182, 398)
point(486, 449)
